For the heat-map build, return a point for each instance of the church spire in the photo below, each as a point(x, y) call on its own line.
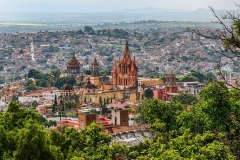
point(134, 60)
point(95, 63)
point(95, 68)
point(127, 51)
point(115, 67)
point(132, 67)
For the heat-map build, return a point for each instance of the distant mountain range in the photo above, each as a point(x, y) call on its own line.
point(201, 15)
point(150, 10)
point(130, 15)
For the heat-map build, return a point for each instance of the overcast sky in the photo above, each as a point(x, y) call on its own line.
point(108, 5)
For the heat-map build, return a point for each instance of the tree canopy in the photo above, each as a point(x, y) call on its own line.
point(184, 98)
point(208, 129)
point(148, 93)
point(23, 136)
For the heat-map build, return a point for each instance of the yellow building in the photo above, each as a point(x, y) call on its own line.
point(151, 82)
point(89, 93)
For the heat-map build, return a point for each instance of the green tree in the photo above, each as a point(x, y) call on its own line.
point(89, 30)
point(33, 142)
point(29, 82)
point(79, 31)
point(31, 88)
point(33, 73)
point(148, 93)
point(105, 72)
point(14, 98)
point(184, 98)
point(87, 72)
point(187, 146)
point(54, 107)
point(163, 78)
point(34, 104)
point(188, 78)
point(61, 81)
point(155, 110)
point(55, 72)
point(62, 141)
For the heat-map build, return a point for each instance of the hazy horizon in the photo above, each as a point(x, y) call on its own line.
point(91, 6)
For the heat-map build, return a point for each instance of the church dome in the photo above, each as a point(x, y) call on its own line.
point(67, 86)
point(88, 85)
point(73, 66)
point(73, 61)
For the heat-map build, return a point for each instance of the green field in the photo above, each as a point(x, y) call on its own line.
point(21, 24)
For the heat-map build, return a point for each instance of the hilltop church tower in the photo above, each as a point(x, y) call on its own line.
point(95, 79)
point(124, 71)
point(171, 85)
point(95, 72)
point(73, 66)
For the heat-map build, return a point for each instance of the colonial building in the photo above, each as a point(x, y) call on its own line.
point(95, 79)
point(170, 89)
point(124, 71)
point(171, 85)
point(67, 90)
point(73, 66)
point(87, 91)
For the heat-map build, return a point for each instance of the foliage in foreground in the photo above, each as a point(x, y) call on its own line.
point(206, 130)
point(23, 137)
point(209, 129)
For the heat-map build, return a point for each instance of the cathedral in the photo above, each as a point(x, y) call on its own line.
point(123, 86)
point(124, 71)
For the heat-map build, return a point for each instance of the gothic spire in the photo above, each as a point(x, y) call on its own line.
point(127, 51)
point(115, 66)
point(132, 67)
point(134, 60)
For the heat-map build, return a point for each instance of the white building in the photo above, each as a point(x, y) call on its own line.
point(51, 95)
point(194, 87)
point(29, 98)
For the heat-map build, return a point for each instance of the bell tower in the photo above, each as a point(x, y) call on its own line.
point(95, 68)
point(95, 73)
point(171, 85)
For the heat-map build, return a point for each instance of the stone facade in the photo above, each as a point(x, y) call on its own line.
point(120, 117)
point(85, 119)
point(73, 66)
point(171, 86)
point(124, 71)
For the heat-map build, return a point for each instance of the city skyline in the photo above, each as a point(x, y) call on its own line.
point(109, 6)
